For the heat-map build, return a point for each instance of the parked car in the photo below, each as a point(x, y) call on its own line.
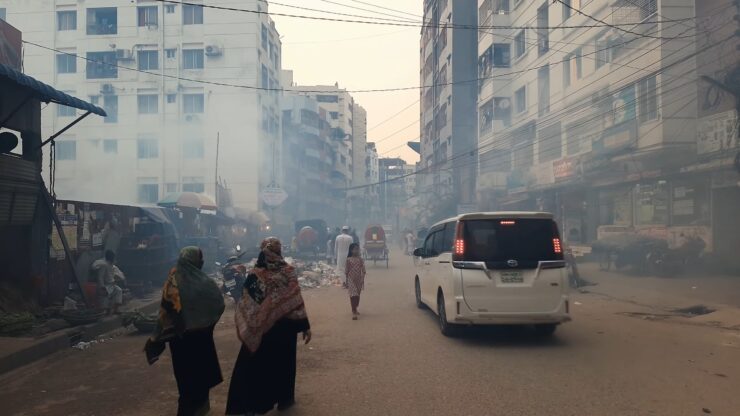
point(494, 268)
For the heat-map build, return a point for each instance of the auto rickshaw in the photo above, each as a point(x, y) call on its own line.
point(375, 248)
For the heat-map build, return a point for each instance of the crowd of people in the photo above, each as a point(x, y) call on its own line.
point(268, 316)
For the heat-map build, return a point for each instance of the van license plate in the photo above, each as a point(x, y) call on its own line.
point(512, 277)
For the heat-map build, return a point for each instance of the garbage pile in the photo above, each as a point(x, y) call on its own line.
point(313, 274)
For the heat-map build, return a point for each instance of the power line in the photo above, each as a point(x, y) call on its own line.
point(613, 26)
point(386, 8)
point(366, 10)
point(389, 22)
point(331, 12)
point(398, 113)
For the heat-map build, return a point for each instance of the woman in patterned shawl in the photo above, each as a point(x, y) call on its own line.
point(191, 306)
point(268, 317)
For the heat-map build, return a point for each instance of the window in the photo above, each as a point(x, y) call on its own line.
point(101, 65)
point(550, 143)
point(148, 193)
point(95, 99)
point(67, 20)
point(170, 53)
point(484, 12)
point(543, 90)
point(110, 146)
point(690, 203)
point(148, 103)
point(147, 148)
point(485, 66)
point(110, 105)
point(500, 6)
point(66, 64)
point(501, 55)
point(520, 43)
point(65, 150)
point(193, 103)
point(528, 241)
point(485, 117)
point(569, 6)
point(573, 67)
point(102, 21)
point(327, 98)
point(647, 90)
point(334, 115)
point(264, 37)
point(169, 8)
point(502, 110)
point(198, 188)
point(192, 14)
point(147, 16)
point(66, 111)
point(171, 188)
point(520, 97)
point(148, 60)
point(2, 13)
point(543, 33)
point(192, 58)
point(171, 98)
point(265, 77)
point(193, 149)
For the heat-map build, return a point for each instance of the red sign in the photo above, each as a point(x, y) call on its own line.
point(564, 168)
point(10, 46)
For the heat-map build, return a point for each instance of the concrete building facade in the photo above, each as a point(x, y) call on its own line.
point(153, 66)
point(448, 107)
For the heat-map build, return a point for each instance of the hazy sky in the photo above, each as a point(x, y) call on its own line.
point(358, 57)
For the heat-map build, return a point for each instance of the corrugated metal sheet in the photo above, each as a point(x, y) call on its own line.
point(19, 190)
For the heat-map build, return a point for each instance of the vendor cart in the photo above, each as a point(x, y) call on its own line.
point(376, 248)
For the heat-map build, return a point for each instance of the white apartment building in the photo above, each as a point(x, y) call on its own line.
point(372, 173)
point(359, 144)
point(173, 78)
point(340, 105)
point(585, 122)
point(448, 107)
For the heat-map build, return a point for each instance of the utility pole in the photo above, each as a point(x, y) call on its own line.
point(218, 144)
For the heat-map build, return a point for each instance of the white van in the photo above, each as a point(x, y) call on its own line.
point(494, 268)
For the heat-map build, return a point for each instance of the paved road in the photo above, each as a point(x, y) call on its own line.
point(394, 361)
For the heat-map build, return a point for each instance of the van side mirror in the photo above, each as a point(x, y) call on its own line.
point(419, 252)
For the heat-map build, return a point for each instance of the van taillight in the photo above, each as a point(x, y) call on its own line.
point(508, 222)
point(556, 245)
point(459, 247)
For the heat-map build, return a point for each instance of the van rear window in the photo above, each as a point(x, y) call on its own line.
point(524, 240)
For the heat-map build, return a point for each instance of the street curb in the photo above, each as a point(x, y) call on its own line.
point(66, 338)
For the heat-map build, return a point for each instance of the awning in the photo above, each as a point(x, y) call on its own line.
point(45, 92)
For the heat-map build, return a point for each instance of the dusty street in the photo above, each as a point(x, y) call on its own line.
point(609, 361)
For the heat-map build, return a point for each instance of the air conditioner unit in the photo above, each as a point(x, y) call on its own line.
point(107, 89)
point(213, 50)
point(124, 55)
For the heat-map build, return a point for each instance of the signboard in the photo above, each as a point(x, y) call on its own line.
point(273, 196)
point(717, 132)
point(564, 168)
point(10, 46)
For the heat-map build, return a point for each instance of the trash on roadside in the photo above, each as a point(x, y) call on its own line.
point(577, 303)
point(82, 345)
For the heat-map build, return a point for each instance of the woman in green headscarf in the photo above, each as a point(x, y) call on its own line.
point(191, 306)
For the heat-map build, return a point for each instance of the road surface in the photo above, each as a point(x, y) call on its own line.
point(611, 360)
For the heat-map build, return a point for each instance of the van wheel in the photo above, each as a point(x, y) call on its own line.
point(545, 330)
point(447, 329)
point(417, 289)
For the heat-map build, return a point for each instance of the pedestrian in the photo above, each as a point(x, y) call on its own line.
point(355, 275)
point(410, 243)
point(268, 318)
point(191, 306)
point(329, 250)
point(108, 275)
point(341, 248)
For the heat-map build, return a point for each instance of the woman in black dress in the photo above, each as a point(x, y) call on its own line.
point(191, 306)
point(269, 316)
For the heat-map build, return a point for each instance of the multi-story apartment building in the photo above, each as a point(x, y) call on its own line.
point(448, 106)
point(339, 104)
point(596, 124)
point(173, 78)
point(309, 160)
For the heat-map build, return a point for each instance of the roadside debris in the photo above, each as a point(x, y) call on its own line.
point(313, 274)
point(705, 410)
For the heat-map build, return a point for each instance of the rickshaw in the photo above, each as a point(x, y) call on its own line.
point(376, 248)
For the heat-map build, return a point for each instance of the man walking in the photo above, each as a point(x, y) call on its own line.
point(341, 250)
point(107, 272)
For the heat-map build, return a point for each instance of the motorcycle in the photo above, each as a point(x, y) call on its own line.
point(234, 274)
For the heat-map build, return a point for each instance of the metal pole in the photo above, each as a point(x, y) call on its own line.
point(218, 144)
